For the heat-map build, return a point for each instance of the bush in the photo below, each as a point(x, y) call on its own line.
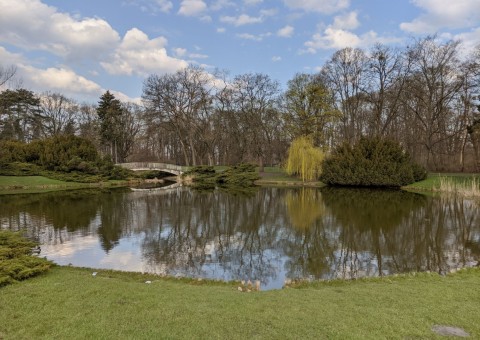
point(16, 260)
point(371, 162)
point(240, 176)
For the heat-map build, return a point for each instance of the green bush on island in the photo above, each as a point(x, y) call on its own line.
point(372, 161)
point(16, 260)
point(242, 175)
point(67, 158)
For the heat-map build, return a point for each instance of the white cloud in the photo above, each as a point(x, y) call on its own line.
point(221, 30)
point(192, 8)
point(276, 59)
point(198, 56)
point(60, 79)
point(333, 38)
point(252, 2)
point(164, 5)
point(470, 40)
point(137, 54)
point(241, 20)
point(269, 12)
point(286, 32)
point(32, 25)
point(321, 6)
point(248, 36)
point(221, 4)
point(443, 14)
point(347, 21)
point(179, 52)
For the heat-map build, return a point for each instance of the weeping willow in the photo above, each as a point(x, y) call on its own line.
point(304, 159)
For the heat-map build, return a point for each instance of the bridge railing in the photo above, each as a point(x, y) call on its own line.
point(154, 166)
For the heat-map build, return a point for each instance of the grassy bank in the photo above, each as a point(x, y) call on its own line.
point(37, 184)
point(278, 177)
point(71, 303)
point(451, 182)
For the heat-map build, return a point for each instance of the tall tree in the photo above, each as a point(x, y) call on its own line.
point(344, 74)
point(181, 103)
point(428, 97)
point(58, 114)
point(19, 115)
point(255, 98)
point(109, 111)
point(308, 109)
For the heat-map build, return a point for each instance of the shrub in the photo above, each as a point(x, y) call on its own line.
point(16, 260)
point(240, 176)
point(372, 161)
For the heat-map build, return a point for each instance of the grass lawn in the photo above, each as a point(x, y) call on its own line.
point(70, 303)
point(35, 184)
point(432, 182)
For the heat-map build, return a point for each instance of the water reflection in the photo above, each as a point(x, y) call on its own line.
point(269, 234)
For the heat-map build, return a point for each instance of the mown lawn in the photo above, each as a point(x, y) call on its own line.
point(70, 303)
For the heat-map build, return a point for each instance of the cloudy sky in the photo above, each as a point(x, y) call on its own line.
point(81, 48)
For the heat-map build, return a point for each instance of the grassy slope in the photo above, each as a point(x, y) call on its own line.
point(35, 184)
point(71, 303)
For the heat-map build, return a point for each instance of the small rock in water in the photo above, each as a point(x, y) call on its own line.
point(450, 331)
point(148, 282)
point(94, 274)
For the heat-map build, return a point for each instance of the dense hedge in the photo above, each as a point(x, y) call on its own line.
point(372, 162)
point(62, 157)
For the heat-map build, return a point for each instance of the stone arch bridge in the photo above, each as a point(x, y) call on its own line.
point(163, 167)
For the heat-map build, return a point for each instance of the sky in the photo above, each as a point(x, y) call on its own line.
point(81, 48)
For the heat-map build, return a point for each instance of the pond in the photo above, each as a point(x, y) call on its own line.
point(267, 234)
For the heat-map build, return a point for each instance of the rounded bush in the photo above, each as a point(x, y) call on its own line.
point(372, 161)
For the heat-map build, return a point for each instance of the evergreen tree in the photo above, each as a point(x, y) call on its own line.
point(109, 111)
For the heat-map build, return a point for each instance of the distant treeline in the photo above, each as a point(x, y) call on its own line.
point(424, 96)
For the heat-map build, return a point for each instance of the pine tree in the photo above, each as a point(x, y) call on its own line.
point(109, 111)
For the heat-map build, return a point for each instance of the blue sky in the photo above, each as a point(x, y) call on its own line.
point(81, 48)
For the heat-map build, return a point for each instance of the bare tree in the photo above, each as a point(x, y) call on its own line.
point(6, 74)
point(429, 94)
point(180, 103)
point(344, 73)
point(58, 114)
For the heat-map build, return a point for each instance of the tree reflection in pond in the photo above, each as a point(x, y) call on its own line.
point(269, 234)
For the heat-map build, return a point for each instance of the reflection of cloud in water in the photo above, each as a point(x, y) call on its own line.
point(70, 248)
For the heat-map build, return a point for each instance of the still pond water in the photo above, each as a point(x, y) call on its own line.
point(269, 234)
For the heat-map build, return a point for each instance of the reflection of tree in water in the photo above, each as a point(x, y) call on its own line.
point(304, 207)
point(215, 232)
point(309, 246)
point(332, 232)
point(397, 231)
point(50, 215)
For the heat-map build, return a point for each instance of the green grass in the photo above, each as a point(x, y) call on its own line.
point(69, 303)
point(37, 184)
point(433, 181)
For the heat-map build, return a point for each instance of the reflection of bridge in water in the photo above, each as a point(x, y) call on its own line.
point(163, 167)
